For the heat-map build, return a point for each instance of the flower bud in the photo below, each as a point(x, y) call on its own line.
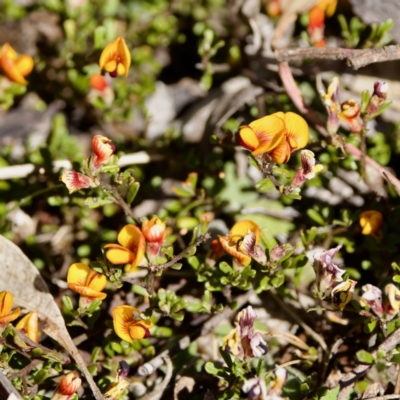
point(67, 387)
point(103, 148)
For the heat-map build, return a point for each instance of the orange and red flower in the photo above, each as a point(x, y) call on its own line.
point(277, 135)
point(130, 250)
point(154, 233)
point(242, 243)
point(15, 66)
point(87, 282)
point(128, 325)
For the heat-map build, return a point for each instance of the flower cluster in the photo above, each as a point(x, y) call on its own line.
point(350, 112)
point(242, 243)
point(276, 135)
point(103, 148)
point(386, 309)
point(329, 280)
point(15, 67)
point(134, 243)
point(244, 340)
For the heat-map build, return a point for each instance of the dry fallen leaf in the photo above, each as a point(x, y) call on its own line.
point(20, 277)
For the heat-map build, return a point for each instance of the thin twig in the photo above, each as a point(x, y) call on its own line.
point(355, 58)
point(25, 371)
point(183, 253)
point(119, 200)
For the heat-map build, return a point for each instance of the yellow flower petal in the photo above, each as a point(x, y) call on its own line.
point(231, 248)
point(297, 130)
point(29, 325)
point(77, 274)
point(269, 131)
point(87, 292)
point(119, 255)
point(96, 281)
point(247, 138)
point(130, 236)
point(10, 317)
point(241, 229)
point(24, 64)
point(124, 54)
point(6, 303)
point(281, 153)
point(371, 222)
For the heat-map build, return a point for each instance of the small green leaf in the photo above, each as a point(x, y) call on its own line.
point(141, 291)
point(225, 268)
point(264, 185)
point(132, 192)
point(94, 202)
point(332, 394)
point(176, 266)
point(41, 376)
point(268, 238)
point(365, 357)
point(316, 217)
point(67, 303)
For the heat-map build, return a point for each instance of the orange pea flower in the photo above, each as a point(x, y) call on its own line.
point(98, 82)
point(67, 387)
point(262, 135)
point(15, 67)
point(116, 58)
point(29, 326)
point(131, 248)
point(128, 325)
point(75, 181)
point(103, 148)
point(6, 303)
point(278, 135)
point(241, 243)
point(371, 222)
point(87, 282)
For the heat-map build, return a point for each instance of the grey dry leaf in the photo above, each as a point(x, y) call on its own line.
point(20, 277)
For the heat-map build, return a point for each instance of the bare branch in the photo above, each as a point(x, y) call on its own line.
point(355, 58)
